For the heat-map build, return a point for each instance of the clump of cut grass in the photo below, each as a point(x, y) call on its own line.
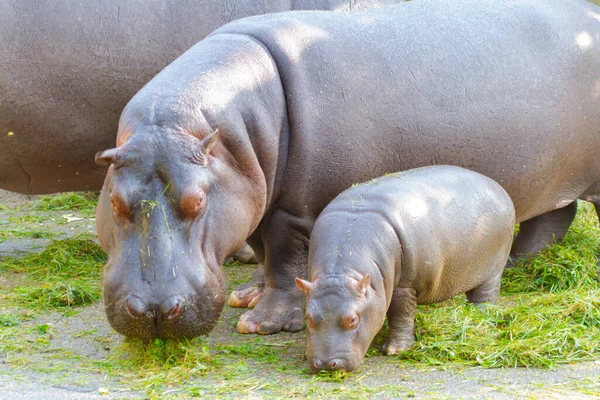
point(153, 364)
point(569, 265)
point(530, 330)
point(25, 233)
point(83, 201)
point(69, 272)
point(57, 294)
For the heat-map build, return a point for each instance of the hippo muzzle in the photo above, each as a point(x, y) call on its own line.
point(339, 361)
point(162, 301)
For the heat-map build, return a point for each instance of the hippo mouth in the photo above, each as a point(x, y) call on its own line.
point(185, 318)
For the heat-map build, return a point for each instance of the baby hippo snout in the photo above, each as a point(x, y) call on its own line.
point(334, 364)
point(169, 309)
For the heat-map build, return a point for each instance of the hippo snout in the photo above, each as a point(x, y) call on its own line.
point(167, 310)
point(338, 363)
point(175, 317)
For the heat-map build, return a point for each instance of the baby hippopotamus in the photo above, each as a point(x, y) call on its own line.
point(415, 237)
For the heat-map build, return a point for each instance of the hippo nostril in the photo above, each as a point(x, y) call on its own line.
point(172, 307)
point(335, 364)
point(135, 306)
point(317, 364)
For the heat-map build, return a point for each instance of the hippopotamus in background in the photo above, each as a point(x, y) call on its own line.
point(67, 69)
point(391, 243)
point(255, 129)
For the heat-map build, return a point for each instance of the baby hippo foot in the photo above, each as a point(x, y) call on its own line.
point(394, 346)
point(248, 294)
point(277, 310)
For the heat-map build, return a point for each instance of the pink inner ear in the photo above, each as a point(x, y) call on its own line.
point(363, 284)
point(303, 285)
point(105, 158)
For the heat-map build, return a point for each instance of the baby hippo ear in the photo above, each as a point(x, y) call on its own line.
point(364, 284)
point(209, 141)
point(303, 285)
point(105, 158)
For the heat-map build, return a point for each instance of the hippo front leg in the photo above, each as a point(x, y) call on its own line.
point(538, 233)
point(401, 321)
point(286, 257)
point(248, 294)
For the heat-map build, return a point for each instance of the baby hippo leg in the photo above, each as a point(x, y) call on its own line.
point(487, 292)
point(401, 321)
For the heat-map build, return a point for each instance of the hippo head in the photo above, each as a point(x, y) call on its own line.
point(343, 315)
point(172, 209)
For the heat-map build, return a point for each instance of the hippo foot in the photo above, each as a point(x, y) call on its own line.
point(248, 294)
point(277, 311)
point(395, 346)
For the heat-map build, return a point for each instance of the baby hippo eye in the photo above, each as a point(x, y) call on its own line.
point(350, 322)
point(193, 203)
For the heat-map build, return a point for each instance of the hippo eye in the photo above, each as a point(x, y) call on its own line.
point(119, 206)
point(192, 204)
point(350, 322)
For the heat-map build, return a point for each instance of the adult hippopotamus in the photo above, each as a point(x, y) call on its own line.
point(68, 68)
point(417, 237)
point(253, 131)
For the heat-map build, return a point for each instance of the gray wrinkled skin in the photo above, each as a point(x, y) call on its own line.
point(417, 237)
point(69, 67)
point(309, 103)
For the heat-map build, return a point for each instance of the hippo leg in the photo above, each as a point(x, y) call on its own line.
point(248, 294)
point(401, 321)
point(286, 257)
point(245, 255)
point(538, 233)
point(487, 292)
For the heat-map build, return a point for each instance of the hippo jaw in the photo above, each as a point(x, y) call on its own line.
point(184, 305)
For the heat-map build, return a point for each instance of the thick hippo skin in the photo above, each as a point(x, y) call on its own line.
point(415, 237)
point(67, 69)
point(253, 131)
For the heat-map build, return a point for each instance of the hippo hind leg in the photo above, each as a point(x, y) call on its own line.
point(538, 233)
point(487, 292)
point(401, 321)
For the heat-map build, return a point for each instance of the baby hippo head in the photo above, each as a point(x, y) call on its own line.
point(343, 315)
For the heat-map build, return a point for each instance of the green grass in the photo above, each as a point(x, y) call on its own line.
point(548, 314)
point(569, 265)
point(84, 202)
point(66, 274)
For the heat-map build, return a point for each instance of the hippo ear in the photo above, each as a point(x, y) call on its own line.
point(105, 158)
point(303, 285)
point(209, 141)
point(364, 284)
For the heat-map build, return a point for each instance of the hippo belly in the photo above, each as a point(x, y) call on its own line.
point(69, 68)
